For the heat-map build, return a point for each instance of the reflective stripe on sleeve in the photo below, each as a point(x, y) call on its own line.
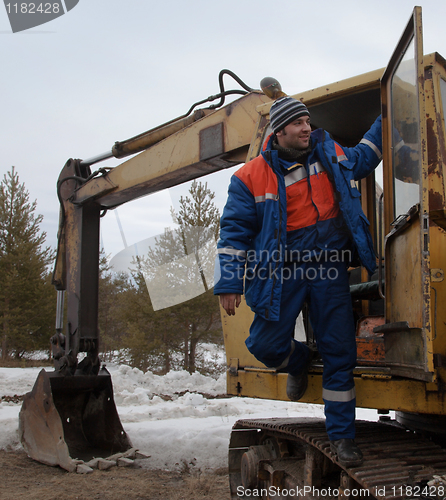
point(340, 155)
point(339, 396)
point(267, 196)
point(232, 251)
point(372, 146)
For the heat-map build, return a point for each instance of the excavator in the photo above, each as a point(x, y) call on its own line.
point(401, 325)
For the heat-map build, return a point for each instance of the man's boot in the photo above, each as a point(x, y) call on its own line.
point(347, 451)
point(297, 384)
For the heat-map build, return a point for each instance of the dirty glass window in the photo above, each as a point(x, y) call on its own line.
point(406, 133)
point(443, 99)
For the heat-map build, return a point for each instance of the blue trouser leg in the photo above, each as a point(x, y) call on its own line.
point(331, 317)
point(270, 341)
point(325, 287)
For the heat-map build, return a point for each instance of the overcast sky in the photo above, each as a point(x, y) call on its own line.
point(111, 69)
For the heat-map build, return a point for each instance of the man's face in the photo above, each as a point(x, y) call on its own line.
point(295, 135)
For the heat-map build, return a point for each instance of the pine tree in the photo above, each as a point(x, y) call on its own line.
point(27, 299)
point(144, 339)
point(116, 295)
point(179, 273)
point(109, 328)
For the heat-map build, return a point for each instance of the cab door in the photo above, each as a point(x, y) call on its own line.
point(407, 331)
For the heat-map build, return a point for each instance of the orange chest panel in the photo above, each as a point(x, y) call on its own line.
point(310, 201)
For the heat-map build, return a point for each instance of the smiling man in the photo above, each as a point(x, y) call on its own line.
point(292, 225)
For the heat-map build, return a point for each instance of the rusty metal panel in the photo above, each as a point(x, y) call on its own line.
point(370, 351)
point(404, 298)
point(438, 288)
point(370, 345)
point(366, 325)
point(435, 89)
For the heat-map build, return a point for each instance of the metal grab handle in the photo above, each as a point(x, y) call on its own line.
point(380, 242)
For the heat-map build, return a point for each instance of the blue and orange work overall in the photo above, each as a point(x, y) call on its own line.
point(288, 233)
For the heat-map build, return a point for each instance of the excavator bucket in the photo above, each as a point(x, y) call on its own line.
point(65, 418)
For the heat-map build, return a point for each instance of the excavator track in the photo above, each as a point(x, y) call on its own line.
point(271, 457)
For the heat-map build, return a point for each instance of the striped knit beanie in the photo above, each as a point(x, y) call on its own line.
point(284, 111)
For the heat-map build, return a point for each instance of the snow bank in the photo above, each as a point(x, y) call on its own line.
point(17, 380)
point(133, 386)
point(173, 418)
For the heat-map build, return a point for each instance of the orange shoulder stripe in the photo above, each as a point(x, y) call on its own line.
point(258, 177)
point(340, 152)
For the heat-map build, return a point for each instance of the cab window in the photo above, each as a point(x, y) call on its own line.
point(406, 134)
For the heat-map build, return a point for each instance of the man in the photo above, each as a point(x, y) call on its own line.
point(292, 224)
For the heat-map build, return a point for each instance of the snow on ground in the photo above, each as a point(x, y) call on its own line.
point(165, 415)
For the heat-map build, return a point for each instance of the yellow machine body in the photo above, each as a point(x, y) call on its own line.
point(403, 367)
